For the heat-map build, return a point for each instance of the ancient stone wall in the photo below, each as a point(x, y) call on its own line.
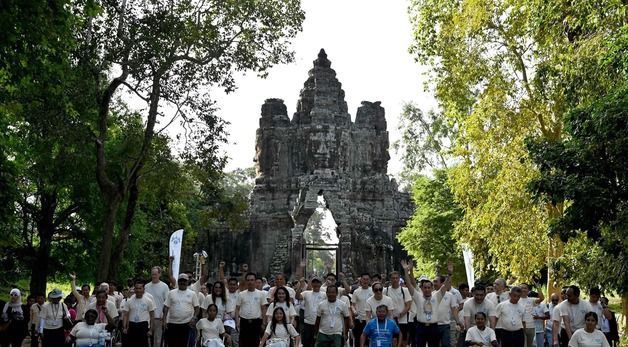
point(321, 151)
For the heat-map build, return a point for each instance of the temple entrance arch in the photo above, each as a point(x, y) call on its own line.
point(320, 245)
point(323, 151)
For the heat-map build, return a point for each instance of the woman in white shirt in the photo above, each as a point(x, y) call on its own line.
point(279, 331)
point(88, 332)
point(211, 330)
point(480, 334)
point(282, 299)
point(588, 336)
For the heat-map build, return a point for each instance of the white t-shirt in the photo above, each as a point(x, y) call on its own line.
point(87, 334)
point(555, 315)
point(539, 310)
point(281, 332)
point(372, 303)
point(111, 309)
point(470, 308)
point(181, 304)
point(311, 300)
point(250, 303)
point(138, 309)
point(210, 329)
point(510, 316)
point(427, 308)
point(222, 308)
point(528, 304)
point(581, 338)
point(400, 296)
point(332, 316)
point(360, 296)
point(485, 336)
point(492, 297)
point(576, 313)
point(53, 314)
point(290, 312)
point(159, 291)
point(445, 307)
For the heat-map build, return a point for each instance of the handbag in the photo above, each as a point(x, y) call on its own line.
point(67, 322)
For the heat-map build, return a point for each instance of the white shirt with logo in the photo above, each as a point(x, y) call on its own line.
point(332, 316)
point(250, 303)
point(181, 304)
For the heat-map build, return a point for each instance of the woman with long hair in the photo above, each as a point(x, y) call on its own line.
point(217, 297)
point(282, 299)
point(211, 330)
point(279, 332)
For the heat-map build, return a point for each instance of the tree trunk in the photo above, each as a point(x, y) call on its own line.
point(123, 240)
point(109, 224)
point(45, 229)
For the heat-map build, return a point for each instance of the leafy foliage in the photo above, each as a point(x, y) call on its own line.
point(588, 170)
point(429, 235)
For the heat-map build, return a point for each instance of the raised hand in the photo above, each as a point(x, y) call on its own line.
point(407, 264)
point(221, 264)
point(73, 276)
point(450, 267)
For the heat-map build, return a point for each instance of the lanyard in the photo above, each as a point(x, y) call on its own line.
point(385, 326)
point(333, 315)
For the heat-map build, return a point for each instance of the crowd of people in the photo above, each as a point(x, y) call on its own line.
point(249, 311)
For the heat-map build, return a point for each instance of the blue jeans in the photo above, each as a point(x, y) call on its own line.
point(548, 337)
point(443, 333)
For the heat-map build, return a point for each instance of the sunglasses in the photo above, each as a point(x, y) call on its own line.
point(378, 289)
point(14, 294)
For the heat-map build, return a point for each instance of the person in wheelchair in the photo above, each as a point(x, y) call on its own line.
point(88, 333)
point(211, 330)
point(279, 332)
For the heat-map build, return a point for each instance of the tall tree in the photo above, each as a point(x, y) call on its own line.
point(166, 53)
point(40, 100)
point(503, 71)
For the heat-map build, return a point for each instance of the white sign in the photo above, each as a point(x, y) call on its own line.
point(176, 239)
point(468, 265)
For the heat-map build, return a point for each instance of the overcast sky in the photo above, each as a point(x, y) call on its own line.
point(367, 43)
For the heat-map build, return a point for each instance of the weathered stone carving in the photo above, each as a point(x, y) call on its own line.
point(321, 151)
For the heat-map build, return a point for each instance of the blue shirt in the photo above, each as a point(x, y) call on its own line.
point(381, 334)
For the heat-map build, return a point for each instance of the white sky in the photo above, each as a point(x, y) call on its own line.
point(367, 43)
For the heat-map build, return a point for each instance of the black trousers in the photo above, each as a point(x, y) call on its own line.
point(53, 338)
point(178, 334)
point(563, 339)
point(358, 328)
point(515, 338)
point(307, 335)
point(427, 333)
point(137, 335)
point(250, 332)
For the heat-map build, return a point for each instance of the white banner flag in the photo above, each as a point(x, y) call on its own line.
point(468, 265)
point(176, 239)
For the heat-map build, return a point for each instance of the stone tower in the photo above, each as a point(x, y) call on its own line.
point(320, 151)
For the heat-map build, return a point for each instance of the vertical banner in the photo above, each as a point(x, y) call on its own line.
point(176, 239)
point(468, 265)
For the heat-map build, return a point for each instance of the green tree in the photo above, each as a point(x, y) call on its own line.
point(501, 72)
point(165, 53)
point(588, 170)
point(429, 235)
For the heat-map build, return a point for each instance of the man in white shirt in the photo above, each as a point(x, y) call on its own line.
point(554, 300)
point(572, 313)
point(427, 304)
point(159, 291)
point(280, 281)
point(249, 312)
point(529, 303)
point(478, 304)
point(447, 311)
point(332, 320)
point(378, 299)
point(138, 312)
point(510, 321)
point(500, 294)
point(311, 299)
point(402, 302)
point(232, 299)
point(594, 300)
point(360, 296)
point(180, 311)
point(558, 326)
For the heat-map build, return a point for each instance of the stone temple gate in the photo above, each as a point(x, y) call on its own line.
point(321, 152)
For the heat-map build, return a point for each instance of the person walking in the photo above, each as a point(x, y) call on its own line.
point(15, 316)
point(332, 320)
point(138, 313)
point(159, 291)
point(381, 331)
point(180, 311)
